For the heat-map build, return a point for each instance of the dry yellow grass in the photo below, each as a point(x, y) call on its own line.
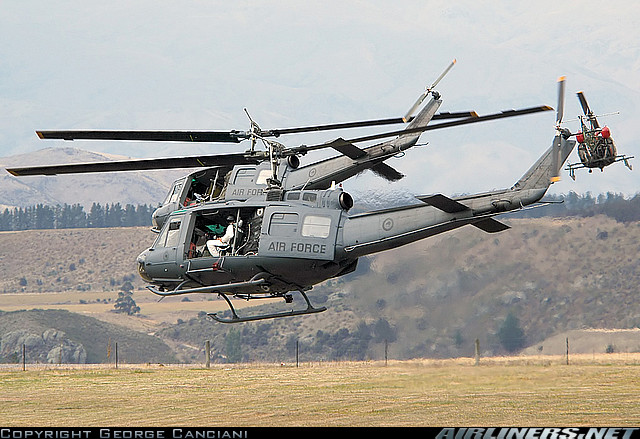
point(527, 391)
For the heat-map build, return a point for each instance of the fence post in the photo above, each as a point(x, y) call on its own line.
point(567, 351)
point(386, 351)
point(297, 353)
point(24, 357)
point(207, 353)
point(477, 351)
point(116, 355)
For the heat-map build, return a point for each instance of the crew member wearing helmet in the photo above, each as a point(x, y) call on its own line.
point(215, 246)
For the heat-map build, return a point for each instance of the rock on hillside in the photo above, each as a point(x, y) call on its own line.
point(51, 346)
point(53, 336)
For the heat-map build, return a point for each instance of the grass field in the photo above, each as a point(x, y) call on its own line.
point(524, 391)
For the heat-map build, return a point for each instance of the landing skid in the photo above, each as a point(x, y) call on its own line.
point(573, 166)
point(286, 296)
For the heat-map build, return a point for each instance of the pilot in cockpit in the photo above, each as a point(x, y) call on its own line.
point(216, 246)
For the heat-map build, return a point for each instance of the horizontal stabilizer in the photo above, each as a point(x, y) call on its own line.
point(347, 148)
point(490, 225)
point(387, 172)
point(444, 203)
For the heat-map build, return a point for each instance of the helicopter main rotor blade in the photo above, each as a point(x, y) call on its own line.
point(156, 136)
point(332, 126)
point(449, 115)
point(337, 143)
point(465, 121)
point(364, 123)
point(226, 159)
point(219, 136)
point(583, 103)
point(141, 164)
point(587, 111)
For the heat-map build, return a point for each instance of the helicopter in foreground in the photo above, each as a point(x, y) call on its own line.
point(262, 226)
point(596, 147)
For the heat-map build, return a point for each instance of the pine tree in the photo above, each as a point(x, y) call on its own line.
point(126, 304)
point(511, 334)
point(233, 345)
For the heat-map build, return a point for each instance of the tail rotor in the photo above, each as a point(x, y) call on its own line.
point(557, 141)
point(427, 92)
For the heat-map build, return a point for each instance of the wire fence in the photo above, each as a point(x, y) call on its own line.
point(567, 359)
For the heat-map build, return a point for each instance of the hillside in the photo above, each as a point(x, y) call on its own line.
point(71, 259)
point(58, 336)
point(85, 189)
point(430, 299)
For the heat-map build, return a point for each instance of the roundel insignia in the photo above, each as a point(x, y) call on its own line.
point(387, 224)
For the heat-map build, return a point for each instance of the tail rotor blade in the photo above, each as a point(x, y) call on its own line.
point(555, 167)
point(442, 75)
point(560, 108)
point(415, 106)
point(426, 93)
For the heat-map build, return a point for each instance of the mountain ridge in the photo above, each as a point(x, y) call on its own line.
point(131, 187)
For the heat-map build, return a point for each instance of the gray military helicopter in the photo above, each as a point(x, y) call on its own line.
point(596, 148)
point(265, 227)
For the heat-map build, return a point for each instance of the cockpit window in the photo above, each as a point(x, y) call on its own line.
point(176, 190)
point(170, 235)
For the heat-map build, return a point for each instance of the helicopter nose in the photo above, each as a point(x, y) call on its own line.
point(142, 259)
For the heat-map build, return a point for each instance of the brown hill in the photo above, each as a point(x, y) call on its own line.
point(71, 259)
point(430, 299)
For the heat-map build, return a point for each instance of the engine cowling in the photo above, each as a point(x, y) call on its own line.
point(580, 137)
point(606, 132)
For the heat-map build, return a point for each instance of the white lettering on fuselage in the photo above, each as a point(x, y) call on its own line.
point(297, 247)
point(246, 192)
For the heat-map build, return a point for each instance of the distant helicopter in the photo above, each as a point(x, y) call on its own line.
point(596, 148)
point(260, 226)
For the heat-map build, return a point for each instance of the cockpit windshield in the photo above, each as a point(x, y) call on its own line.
point(174, 193)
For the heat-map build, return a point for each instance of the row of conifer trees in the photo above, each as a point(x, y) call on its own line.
point(42, 216)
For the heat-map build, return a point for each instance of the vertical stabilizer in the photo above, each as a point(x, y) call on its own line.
point(544, 172)
point(547, 169)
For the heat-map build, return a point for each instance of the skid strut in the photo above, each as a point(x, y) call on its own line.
point(288, 298)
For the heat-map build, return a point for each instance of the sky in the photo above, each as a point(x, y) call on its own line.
point(197, 64)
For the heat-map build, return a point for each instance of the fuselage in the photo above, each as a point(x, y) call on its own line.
point(299, 233)
point(303, 239)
